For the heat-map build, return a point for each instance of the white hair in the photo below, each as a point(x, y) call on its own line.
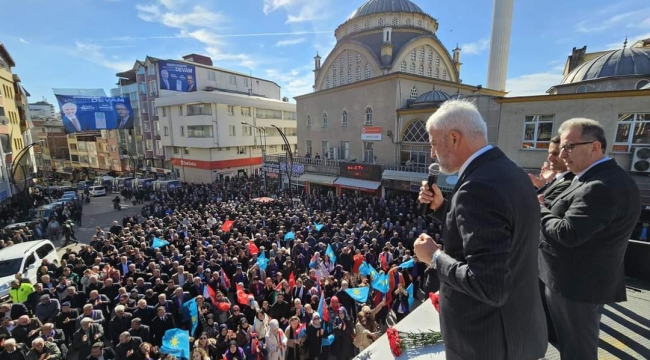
point(38, 341)
point(10, 341)
point(86, 320)
point(69, 106)
point(119, 308)
point(459, 115)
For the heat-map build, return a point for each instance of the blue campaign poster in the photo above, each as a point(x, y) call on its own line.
point(84, 113)
point(177, 76)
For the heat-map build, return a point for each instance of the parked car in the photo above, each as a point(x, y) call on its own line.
point(24, 258)
point(97, 191)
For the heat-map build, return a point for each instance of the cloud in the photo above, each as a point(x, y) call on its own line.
point(272, 5)
point(475, 47)
point(23, 41)
point(290, 42)
point(298, 11)
point(94, 53)
point(604, 20)
point(198, 17)
point(295, 82)
point(532, 84)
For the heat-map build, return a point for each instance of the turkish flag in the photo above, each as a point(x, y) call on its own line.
point(242, 297)
point(227, 225)
point(252, 248)
point(292, 281)
point(223, 306)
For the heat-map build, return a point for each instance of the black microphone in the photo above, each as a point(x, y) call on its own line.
point(434, 170)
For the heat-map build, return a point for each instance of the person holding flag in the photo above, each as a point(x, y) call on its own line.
point(275, 342)
point(316, 333)
point(295, 333)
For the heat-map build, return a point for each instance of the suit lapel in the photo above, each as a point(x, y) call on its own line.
point(584, 178)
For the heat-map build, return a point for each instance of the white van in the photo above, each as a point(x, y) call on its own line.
point(97, 191)
point(25, 258)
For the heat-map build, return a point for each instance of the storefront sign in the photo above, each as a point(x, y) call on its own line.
point(361, 171)
point(218, 164)
point(371, 133)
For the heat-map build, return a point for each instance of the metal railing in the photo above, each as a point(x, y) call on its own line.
point(336, 163)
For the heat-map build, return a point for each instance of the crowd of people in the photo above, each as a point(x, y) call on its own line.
point(117, 296)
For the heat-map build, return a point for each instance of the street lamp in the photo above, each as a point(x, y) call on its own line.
point(14, 168)
point(289, 157)
point(260, 130)
point(183, 149)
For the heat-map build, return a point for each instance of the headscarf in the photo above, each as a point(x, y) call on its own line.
point(334, 304)
point(315, 317)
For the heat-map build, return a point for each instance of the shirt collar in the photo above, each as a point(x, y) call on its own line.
point(478, 153)
point(578, 175)
point(560, 175)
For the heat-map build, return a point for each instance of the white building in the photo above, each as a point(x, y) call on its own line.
point(42, 110)
point(204, 138)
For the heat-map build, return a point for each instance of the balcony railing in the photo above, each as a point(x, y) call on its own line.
point(336, 163)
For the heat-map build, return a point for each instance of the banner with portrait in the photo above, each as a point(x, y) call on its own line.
point(85, 113)
point(175, 76)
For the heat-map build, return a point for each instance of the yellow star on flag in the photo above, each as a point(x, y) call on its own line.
point(356, 292)
point(193, 318)
point(174, 342)
point(384, 282)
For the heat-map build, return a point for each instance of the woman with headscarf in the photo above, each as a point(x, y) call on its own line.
point(207, 344)
point(400, 303)
point(223, 338)
point(363, 336)
point(210, 326)
point(261, 324)
point(315, 335)
point(294, 340)
point(275, 342)
point(243, 334)
point(234, 352)
point(343, 331)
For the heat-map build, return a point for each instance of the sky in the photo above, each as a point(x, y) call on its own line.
point(84, 43)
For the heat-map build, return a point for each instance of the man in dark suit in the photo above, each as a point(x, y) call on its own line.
point(164, 80)
point(490, 306)
point(139, 330)
point(191, 86)
point(585, 232)
point(124, 118)
point(160, 324)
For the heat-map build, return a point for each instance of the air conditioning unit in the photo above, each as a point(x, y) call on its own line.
point(641, 160)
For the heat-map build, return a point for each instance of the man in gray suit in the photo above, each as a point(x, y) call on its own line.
point(490, 306)
point(585, 231)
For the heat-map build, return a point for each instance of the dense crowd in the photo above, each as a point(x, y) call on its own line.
point(117, 296)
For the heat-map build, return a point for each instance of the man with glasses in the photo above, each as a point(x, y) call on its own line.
point(585, 231)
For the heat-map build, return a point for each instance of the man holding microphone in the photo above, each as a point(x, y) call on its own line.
point(490, 306)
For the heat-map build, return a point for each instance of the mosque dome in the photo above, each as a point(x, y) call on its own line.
point(385, 6)
point(433, 96)
point(633, 61)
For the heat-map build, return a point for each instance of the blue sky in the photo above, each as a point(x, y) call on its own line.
point(83, 43)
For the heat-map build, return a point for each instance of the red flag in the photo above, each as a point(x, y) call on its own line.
point(227, 225)
point(225, 282)
point(211, 293)
point(242, 297)
point(222, 306)
point(435, 300)
point(252, 248)
point(292, 281)
point(278, 287)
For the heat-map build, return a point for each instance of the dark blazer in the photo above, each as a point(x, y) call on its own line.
point(585, 232)
point(69, 127)
point(127, 125)
point(490, 306)
point(159, 327)
point(122, 349)
point(143, 333)
point(555, 188)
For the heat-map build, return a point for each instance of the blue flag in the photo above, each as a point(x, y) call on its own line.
point(329, 340)
point(381, 283)
point(262, 261)
point(176, 342)
point(409, 290)
point(191, 313)
point(366, 269)
point(318, 227)
point(158, 243)
point(359, 294)
point(407, 264)
point(329, 252)
point(289, 235)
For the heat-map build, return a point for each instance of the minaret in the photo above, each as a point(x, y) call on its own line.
point(456, 59)
point(316, 68)
point(500, 44)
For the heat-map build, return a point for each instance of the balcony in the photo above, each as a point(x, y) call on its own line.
point(332, 166)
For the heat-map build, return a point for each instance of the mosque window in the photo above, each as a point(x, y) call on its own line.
point(349, 74)
point(367, 71)
point(358, 58)
point(413, 55)
point(429, 72)
point(367, 25)
point(368, 116)
point(430, 57)
point(349, 58)
point(444, 74)
point(419, 23)
point(412, 69)
point(422, 54)
point(408, 21)
point(327, 82)
point(641, 83)
point(334, 77)
point(414, 93)
point(403, 67)
point(344, 118)
point(418, 154)
point(421, 70)
point(394, 22)
point(437, 73)
point(355, 27)
point(308, 123)
point(538, 130)
point(342, 82)
point(324, 120)
point(631, 130)
point(358, 73)
point(380, 22)
point(341, 61)
point(437, 60)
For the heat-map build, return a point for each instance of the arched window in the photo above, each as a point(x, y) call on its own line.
point(368, 116)
point(324, 119)
point(367, 24)
point(414, 149)
point(349, 74)
point(394, 22)
point(341, 61)
point(308, 123)
point(437, 60)
point(327, 82)
point(408, 21)
point(344, 118)
point(412, 69)
point(429, 71)
point(581, 89)
point(367, 71)
point(358, 58)
point(334, 76)
point(422, 54)
point(349, 58)
point(342, 82)
point(444, 74)
point(403, 67)
point(380, 22)
point(419, 23)
point(421, 70)
point(437, 73)
point(430, 57)
point(641, 83)
point(414, 93)
point(413, 55)
point(358, 72)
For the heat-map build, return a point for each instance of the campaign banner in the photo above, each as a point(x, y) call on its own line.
point(84, 113)
point(177, 76)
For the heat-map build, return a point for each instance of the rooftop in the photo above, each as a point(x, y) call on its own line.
point(385, 6)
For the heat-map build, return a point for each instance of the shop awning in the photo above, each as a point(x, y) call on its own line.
point(403, 175)
point(316, 179)
point(357, 184)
